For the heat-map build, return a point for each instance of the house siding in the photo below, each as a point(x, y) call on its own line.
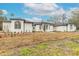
point(71, 27)
point(7, 27)
point(60, 28)
point(43, 28)
point(29, 27)
point(66, 28)
point(13, 26)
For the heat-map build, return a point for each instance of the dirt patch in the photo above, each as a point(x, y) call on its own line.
point(13, 43)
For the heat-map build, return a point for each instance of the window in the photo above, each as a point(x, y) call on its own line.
point(46, 26)
point(33, 25)
point(17, 25)
point(40, 27)
point(71, 26)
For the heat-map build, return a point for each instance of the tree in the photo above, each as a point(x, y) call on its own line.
point(75, 18)
point(58, 19)
point(2, 18)
point(12, 15)
point(1, 12)
point(53, 19)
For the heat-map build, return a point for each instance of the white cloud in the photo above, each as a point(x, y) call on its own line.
point(74, 9)
point(4, 11)
point(43, 9)
point(48, 9)
point(42, 6)
point(60, 11)
point(34, 19)
point(69, 13)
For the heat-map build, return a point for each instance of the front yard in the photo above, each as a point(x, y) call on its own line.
point(41, 44)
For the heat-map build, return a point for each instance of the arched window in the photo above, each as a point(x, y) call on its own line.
point(17, 25)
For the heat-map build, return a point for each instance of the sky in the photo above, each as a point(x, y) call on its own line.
point(37, 10)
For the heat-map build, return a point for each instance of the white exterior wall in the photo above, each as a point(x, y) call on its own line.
point(13, 26)
point(28, 27)
point(61, 28)
point(51, 28)
point(37, 28)
point(48, 29)
point(66, 28)
point(7, 27)
point(71, 29)
point(42, 27)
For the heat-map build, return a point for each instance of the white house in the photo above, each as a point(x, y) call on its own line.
point(28, 26)
point(71, 27)
point(22, 25)
point(65, 27)
point(42, 26)
point(17, 25)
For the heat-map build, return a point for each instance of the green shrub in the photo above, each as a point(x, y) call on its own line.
point(41, 46)
point(25, 51)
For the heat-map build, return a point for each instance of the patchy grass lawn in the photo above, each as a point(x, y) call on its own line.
point(41, 44)
point(52, 48)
